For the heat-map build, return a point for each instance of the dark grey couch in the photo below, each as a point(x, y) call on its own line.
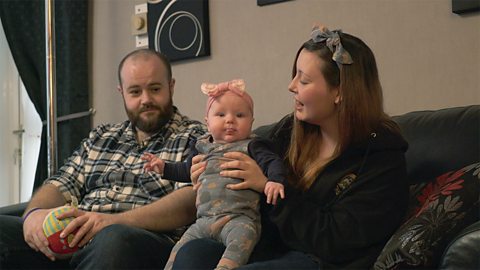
point(444, 141)
point(440, 141)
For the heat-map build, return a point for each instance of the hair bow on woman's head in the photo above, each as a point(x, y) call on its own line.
point(333, 42)
point(213, 91)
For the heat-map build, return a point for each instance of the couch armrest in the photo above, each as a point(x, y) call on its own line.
point(14, 209)
point(463, 252)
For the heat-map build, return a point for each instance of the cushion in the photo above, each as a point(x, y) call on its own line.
point(441, 208)
point(431, 136)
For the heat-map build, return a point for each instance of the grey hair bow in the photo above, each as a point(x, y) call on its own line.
point(332, 40)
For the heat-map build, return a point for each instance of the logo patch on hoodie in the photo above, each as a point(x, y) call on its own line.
point(346, 182)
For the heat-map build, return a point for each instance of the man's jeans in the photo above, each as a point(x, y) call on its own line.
point(114, 247)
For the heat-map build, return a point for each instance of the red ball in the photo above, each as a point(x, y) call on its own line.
point(60, 246)
point(53, 227)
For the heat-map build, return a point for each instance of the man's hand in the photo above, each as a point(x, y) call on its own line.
point(273, 190)
point(33, 232)
point(87, 223)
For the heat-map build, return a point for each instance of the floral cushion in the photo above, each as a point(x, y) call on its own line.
point(440, 209)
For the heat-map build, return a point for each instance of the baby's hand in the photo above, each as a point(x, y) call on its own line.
point(153, 163)
point(272, 190)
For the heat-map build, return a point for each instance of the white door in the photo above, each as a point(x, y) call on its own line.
point(20, 132)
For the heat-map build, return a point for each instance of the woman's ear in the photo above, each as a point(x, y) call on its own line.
point(338, 97)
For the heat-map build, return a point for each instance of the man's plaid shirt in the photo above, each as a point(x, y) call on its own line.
point(106, 172)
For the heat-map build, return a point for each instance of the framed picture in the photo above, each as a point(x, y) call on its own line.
point(268, 2)
point(179, 28)
point(465, 6)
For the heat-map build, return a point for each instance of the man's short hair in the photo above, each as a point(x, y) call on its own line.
point(146, 52)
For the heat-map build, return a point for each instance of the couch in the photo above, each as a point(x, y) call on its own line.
point(442, 227)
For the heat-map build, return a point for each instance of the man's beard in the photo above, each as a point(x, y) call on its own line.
point(152, 125)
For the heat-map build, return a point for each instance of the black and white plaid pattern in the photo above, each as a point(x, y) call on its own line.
point(106, 172)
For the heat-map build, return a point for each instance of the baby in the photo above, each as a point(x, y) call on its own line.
point(229, 216)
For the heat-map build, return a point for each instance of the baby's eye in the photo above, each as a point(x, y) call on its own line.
point(240, 115)
point(220, 114)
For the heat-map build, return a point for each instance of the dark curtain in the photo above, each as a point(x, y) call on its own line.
point(24, 25)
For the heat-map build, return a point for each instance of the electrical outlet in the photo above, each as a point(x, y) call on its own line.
point(142, 8)
point(141, 41)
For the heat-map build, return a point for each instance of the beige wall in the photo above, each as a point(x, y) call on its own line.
point(428, 57)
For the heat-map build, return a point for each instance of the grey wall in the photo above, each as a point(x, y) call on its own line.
point(428, 57)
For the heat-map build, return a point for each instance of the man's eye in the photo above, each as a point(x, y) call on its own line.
point(134, 92)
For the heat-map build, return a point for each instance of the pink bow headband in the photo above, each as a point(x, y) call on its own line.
point(217, 90)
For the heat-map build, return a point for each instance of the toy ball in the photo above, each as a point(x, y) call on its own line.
point(52, 227)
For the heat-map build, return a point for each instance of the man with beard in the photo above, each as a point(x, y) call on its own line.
point(124, 219)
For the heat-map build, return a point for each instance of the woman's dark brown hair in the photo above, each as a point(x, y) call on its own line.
point(360, 110)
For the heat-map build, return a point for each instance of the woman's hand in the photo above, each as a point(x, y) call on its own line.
point(243, 167)
point(198, 167)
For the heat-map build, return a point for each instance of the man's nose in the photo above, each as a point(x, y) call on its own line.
point(146, 97)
